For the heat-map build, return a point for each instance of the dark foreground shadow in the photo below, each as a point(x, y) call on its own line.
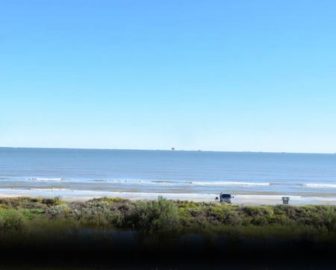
point(128, 250)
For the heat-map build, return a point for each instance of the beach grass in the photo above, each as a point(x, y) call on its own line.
point(160, 216)
point(109, 230)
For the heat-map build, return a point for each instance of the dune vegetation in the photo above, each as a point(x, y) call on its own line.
point(110, 231)
point(24, 215)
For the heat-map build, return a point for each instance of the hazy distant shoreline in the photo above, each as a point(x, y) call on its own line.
point(167, 150)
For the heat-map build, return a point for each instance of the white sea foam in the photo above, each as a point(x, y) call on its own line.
point(49, 189)
point(186, 183)
point(230, 183)
point(142, 182)
point(320, 185)
point(46, 179)
point(152, 182)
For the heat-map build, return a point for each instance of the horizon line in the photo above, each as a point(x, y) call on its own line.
point(173, 149)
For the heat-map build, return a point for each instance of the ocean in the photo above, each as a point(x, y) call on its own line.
point(181, 174)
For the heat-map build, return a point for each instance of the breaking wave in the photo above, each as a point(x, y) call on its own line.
point(158, 182)
point(320, 185)
point(230, 183)
point(46, 179)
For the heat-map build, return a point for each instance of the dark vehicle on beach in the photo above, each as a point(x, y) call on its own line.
point(225, 198)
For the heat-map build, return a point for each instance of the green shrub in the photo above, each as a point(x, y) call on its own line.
point(162, 216)
point(57, 211)
point(11, 220)
point(154, 216)
point(52, 201)
point(258, 215)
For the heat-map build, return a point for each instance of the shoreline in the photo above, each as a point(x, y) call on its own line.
point(239, 199)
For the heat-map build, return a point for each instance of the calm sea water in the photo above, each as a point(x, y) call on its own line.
point(168, 171)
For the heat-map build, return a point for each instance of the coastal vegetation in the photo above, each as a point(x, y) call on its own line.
point(162, 216)
point(109, 231)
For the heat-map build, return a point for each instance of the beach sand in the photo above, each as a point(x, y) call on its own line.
point(240, 199)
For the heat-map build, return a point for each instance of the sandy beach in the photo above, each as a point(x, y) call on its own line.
point(240, 199)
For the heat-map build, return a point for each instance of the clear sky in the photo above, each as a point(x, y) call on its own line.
point(239, 75)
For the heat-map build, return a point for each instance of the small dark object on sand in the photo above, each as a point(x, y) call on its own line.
point(225, 198)
point(285, 200)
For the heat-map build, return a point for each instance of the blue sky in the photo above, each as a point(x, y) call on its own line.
point(236, 75)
